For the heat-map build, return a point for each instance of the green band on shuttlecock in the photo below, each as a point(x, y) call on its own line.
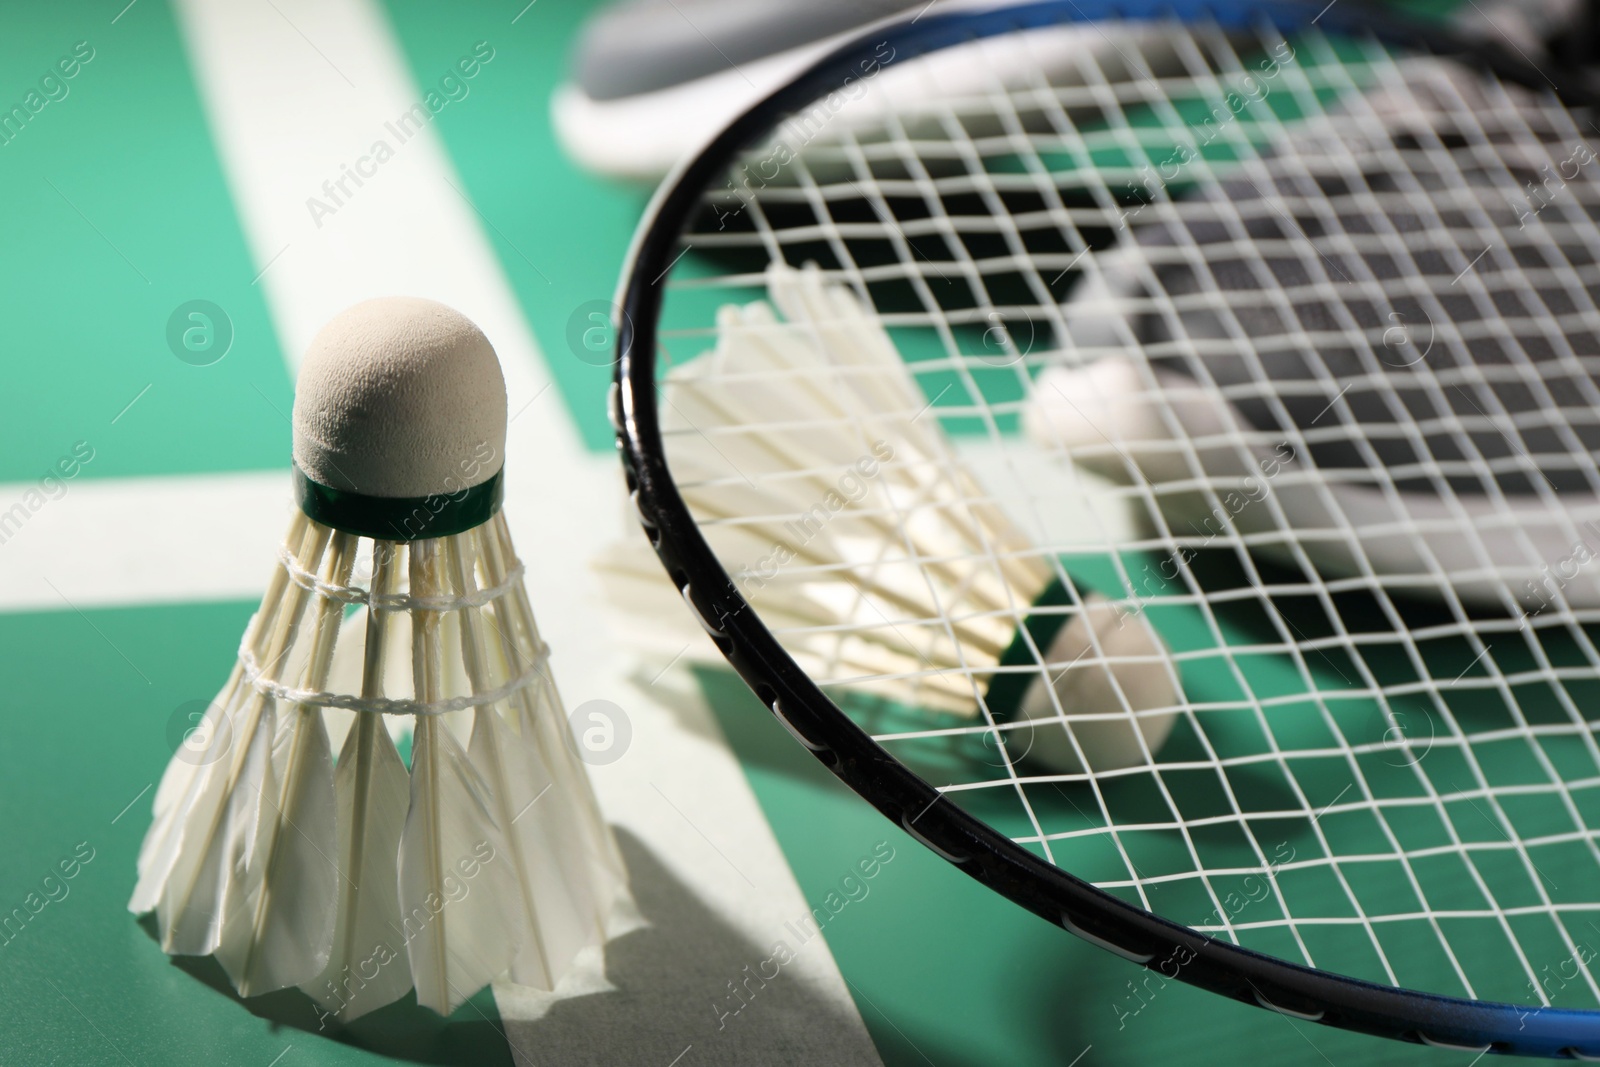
point(399, 518)
point(1005, 693)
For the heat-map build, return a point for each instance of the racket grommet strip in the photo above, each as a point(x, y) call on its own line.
point(776, 707)
point(1431, 1042)
point(1307, 1016)
point(644, 516)
point(922, 839)
point(719, 636)
point(614, 409)
point(1129, 954)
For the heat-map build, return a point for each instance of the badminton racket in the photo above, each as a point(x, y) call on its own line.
point(1277, 330)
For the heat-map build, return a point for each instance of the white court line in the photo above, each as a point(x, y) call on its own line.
point(177, 539)
point(285, 122)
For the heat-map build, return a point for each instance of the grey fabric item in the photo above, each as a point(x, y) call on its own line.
point(639, 46)
point(1441, 284)
point(1526, 24)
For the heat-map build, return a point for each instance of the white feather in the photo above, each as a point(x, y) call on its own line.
point(897, 575)
point(279, 932)
point(187, 785)
point(281, 935)
point(211, 875)
point(360, 880)
point(349, 662)
point(182, 787)
point(806, 452)
point(202, 888)
point(456, 882)
point(367, 965)
point(568, 875)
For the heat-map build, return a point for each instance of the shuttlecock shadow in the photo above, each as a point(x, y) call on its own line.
point(685, 978)
point(402, 1030)
point(690, 978)
point(682, 690)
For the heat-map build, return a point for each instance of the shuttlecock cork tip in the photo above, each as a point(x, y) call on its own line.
point(400, 398)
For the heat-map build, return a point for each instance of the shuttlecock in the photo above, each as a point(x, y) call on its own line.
point(808, 456)
point(357, 878)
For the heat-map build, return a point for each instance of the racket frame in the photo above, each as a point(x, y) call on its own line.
point(819, 725)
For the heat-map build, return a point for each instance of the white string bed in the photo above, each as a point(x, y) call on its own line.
point(1385, 762)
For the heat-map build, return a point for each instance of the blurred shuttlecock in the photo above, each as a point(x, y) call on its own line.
point(357, 878)
point(830, 493)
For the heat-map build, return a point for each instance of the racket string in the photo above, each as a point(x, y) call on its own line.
point(1468, 114)
point(1417, 888)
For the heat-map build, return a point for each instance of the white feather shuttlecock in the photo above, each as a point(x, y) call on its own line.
point(358, 878)
point(825, 485)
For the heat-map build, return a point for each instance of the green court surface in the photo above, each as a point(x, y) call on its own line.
point(119, 213)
